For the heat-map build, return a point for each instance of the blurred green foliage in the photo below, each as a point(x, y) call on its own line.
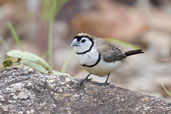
point(28, 59)
point(50, 9)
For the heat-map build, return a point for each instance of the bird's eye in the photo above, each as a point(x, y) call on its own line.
point(83, 40)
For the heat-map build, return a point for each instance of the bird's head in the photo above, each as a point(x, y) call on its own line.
point(82, 42)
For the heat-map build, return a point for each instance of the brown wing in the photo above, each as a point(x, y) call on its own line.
point(108, 51)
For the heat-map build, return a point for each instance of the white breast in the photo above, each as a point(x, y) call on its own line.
point(90, 58)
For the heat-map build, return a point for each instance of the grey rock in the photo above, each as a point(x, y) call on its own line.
point(25, 91)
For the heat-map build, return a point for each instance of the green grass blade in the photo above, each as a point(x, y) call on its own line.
point(50, 45)
point(112, 40)
point(49, 11)
point(5, 45)
point(50, 35)
point(68, 59)
point(15, 36)
point(169, 93)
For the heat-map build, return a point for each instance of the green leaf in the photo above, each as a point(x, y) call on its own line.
point(29, 57)
point(35, 66)
point(169, 93)
point(15, 36)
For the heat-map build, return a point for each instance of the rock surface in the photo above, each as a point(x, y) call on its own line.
point(29, 92)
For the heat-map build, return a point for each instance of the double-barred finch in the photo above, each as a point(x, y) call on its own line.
point(98, 56)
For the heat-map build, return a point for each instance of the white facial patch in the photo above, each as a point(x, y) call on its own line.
point(84, 45)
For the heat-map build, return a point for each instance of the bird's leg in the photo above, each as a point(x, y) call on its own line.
point(106, 82)
point(86, 78)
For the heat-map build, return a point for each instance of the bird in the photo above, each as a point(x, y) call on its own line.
point(97, 55)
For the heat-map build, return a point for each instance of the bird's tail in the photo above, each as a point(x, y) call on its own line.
point(133, 52)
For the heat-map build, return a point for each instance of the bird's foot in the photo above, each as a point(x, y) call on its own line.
point(105, 84)
point(85, 79)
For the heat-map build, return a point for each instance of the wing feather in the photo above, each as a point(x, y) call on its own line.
point(108, 51)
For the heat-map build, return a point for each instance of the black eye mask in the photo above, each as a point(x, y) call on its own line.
point(80, 37)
